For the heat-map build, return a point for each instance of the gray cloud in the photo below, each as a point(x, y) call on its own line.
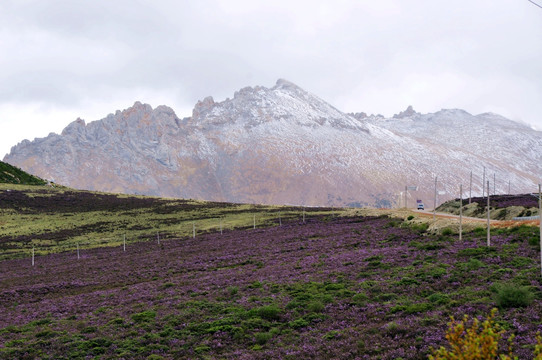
point(89, 57)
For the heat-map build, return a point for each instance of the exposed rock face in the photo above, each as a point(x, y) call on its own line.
point(283, 145)
point(409, 112)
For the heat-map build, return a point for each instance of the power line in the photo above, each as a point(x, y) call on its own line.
point(532, 2)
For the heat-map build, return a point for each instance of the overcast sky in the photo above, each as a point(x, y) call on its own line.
point(60, 60)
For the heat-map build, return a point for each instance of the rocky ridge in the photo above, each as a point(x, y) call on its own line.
point(283, 145)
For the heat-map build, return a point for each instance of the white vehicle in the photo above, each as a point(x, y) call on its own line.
point(420, 205)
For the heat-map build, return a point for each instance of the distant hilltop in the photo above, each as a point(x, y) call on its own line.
point(284, 145)
point(11, 175)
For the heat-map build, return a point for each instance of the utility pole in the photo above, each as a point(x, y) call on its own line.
point(470, 188)
point(484, 184)
point(406, 190)
point(540, 223)
point(435, 203)
point(460, 212)
point(488, 227)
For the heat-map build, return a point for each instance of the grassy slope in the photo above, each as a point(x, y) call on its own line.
point(11, 175)
point(502, 207)
point(60, 219)
point(335, 287)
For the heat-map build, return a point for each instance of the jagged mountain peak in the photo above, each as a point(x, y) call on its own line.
point(284, 102)
point(453, 112)
point(284, 145)
point(409, 112)
point(138, 116)
point(286, 84)
point(73, 127)
point(138, 107)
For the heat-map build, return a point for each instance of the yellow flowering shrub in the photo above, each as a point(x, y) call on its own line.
point(480, 341)
point(538, 347)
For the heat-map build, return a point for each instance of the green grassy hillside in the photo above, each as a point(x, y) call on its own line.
point(11, 175)
point(52, 220)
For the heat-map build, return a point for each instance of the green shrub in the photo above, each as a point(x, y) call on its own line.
point(410, 217)
point(474, 264)
point(438, 272)
point(417, 308)
point(408, 281)
point(255, 285)
point(331, 334)
point(154, 357)
point(439, 298)
point(298, 323)
point(477, 252)
point(360, 299)
point(167, 285)
point(479, 231)
point(392, 223)
point(315, 307)
point(47, 333)
point(394, 329)
point(201, 349)
point(421, 228)
point(269, 312)
point(521, 262)
point(144, 316)
point(262, 338)
point(447, 231)
point(534, 240)
point(512, 295)
point(89, 330)
point(387, 297)
point(233, 290)
point(429, 246)
point(117, 321)
point(334, 287)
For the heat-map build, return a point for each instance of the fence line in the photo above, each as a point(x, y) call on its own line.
point(275, 217)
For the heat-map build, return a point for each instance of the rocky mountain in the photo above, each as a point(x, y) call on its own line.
point(283, 145)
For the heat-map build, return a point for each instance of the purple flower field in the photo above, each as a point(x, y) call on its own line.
point(332, 288)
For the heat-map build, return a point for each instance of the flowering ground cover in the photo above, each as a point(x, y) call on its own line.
point(330, 288)
point(504, 201)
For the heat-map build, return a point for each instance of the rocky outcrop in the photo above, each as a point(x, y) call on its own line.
point(283, 145)
point(409, 112)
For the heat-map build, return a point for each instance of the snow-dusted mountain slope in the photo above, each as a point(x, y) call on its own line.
point(284, 145)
